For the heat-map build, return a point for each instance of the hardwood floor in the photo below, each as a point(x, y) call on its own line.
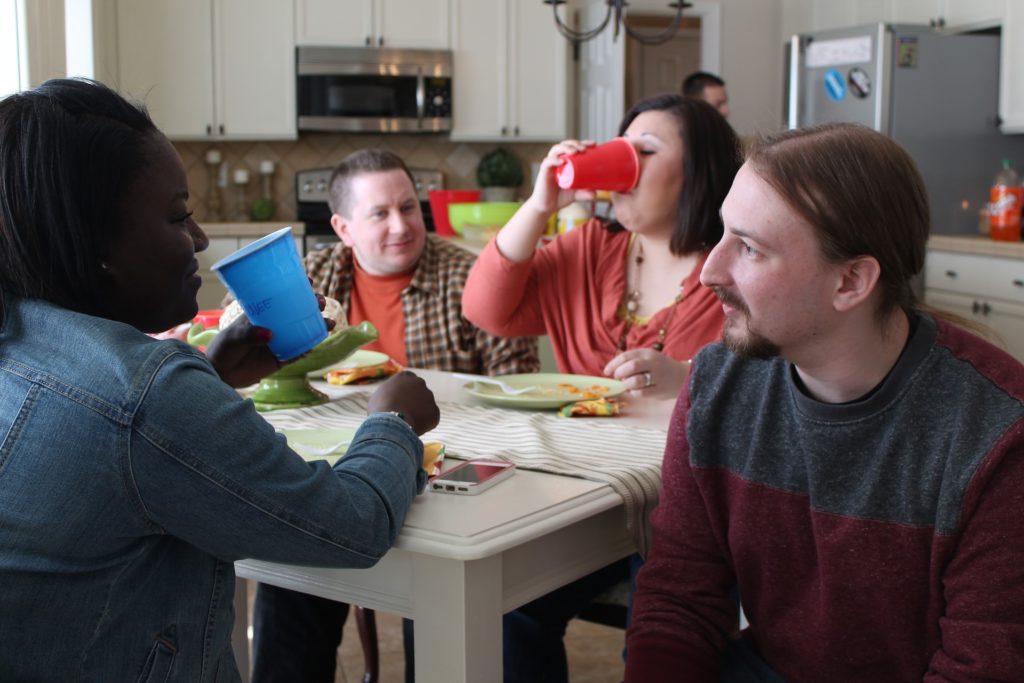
point(595, 652)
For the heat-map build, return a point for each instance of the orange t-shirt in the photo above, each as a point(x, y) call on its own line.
point(378, 298)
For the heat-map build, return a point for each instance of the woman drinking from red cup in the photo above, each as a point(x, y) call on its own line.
point(621, 299)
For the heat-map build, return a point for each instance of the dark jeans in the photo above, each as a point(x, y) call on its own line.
point(296, 637)
point(534, 651)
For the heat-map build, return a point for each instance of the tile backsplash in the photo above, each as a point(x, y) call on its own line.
point(457, 160)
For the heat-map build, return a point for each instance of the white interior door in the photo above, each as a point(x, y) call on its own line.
point(602, 78)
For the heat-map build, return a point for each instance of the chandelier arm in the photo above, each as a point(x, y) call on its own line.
point(661, 36)
point(578, 36)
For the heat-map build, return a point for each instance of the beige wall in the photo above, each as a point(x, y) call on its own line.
point(751, 60)
point(458, 161)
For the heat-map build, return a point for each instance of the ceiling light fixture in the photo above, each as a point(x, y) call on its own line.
point(617, 8)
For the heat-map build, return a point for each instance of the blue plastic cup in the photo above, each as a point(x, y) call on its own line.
point(268, 280)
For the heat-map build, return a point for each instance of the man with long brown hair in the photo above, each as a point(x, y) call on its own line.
point(848, 462)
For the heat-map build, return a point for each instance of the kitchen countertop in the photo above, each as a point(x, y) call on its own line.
point(251, 229)
point(976, 244)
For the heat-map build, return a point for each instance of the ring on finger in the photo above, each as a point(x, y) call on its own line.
point(648, 380)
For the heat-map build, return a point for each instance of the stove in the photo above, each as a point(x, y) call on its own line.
point(312, 209)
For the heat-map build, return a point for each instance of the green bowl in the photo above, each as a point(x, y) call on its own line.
point(481, 213)
point(289, 387)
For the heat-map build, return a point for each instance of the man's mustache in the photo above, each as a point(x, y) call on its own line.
point(727, 297)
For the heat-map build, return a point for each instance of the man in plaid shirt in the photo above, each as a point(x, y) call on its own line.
point(409, 285)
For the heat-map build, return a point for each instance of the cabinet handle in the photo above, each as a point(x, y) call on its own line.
point(380, 41)
point(221, 128)
point(516, 131)
point(985, 308)
point(369, 41)
point(209, 129)
point(975, 307)
point(504, 130)
point(951, 274)
point(1018, 283)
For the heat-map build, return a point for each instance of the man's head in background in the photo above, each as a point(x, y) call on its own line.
point(709, 88)
point(376, 211)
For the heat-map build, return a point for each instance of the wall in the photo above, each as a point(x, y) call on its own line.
point(751, 60)
point(458, 161)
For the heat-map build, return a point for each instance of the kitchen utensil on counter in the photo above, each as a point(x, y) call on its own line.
point(612, 166)
point(481, 213)
point(439, 202)
point(268, 280)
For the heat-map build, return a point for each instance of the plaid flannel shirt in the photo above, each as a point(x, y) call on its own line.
point(437, 336)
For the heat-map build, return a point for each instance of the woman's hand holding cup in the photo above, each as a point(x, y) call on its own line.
point(548, 197)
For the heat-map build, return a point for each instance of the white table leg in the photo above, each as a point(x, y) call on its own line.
point(457, 620)
point(240, 631)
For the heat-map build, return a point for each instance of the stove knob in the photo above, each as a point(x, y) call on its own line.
point(321, 185)
point(307, 187)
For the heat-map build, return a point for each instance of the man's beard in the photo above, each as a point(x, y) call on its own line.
point(751, 345)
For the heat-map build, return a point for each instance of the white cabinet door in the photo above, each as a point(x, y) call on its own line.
point(915, 11)
point(830, 14)
point(511, 77)
point(480, 76)
point(1011, 69)
point(414, 23)
point(973, 14)
point(1004, 320)
point(213, 290)
point(233, 78)
point(165, 57)
point(539, 79)
point(334, 22)
point(255, 81)
point(373, 23)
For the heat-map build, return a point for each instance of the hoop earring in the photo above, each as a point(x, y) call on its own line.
point(104, 265)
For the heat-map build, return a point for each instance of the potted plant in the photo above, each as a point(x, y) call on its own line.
point(499, 175)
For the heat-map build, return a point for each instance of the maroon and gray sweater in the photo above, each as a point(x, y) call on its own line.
point(874, 541)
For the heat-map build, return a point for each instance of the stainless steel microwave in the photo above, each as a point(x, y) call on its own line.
point(370, 90)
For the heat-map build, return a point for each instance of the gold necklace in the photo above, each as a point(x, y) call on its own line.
point(632, 304)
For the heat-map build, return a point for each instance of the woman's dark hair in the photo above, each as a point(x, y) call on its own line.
point(69, 151)
point(711, 158)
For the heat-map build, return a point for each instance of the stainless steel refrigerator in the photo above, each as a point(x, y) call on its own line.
point(936, 95)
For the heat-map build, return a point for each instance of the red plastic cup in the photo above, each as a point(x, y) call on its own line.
point(612, 166)
point(439, 201)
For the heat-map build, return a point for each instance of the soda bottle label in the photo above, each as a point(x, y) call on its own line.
point(1004, 211)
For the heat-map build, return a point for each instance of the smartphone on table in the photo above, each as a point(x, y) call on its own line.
point(472, 477)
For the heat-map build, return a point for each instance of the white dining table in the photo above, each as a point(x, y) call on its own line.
point(461, 562)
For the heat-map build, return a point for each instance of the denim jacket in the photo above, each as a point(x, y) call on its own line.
point(131, 478)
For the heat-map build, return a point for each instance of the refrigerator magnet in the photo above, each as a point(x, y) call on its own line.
point(835, 85)
point(860, 82)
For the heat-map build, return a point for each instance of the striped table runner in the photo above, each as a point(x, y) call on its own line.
point(600, 449)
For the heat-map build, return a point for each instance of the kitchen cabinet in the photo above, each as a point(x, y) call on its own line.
point(210, 69)
point(986, 289)
point(373, 23)
point(511, 79)
point(954, 15)
point(1011, 69)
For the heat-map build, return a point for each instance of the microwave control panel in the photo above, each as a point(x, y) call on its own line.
point(438, 98)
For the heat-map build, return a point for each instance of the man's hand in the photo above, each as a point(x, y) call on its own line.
point(407, 394)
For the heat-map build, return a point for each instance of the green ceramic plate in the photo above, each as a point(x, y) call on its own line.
point(552, 390)
point(319, 444)
point(359, 359)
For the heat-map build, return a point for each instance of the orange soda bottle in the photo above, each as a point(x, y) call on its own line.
point(1004, 209)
